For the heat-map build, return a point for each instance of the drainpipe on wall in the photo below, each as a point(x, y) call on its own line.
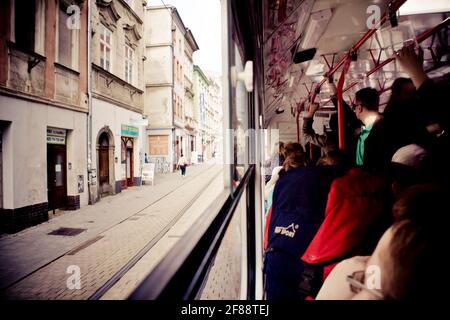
point(89, 118)
point(173, 142)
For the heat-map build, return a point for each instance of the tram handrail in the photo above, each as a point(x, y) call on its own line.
point(181, 273)
point(395, 5)
point(420, 38)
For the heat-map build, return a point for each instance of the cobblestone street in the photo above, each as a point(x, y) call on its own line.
point(34, 264)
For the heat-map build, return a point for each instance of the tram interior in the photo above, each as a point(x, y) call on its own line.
point(333, 27)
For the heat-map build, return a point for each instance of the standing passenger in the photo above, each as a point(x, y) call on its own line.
point(297, 211)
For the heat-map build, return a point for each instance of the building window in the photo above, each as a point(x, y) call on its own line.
point(105, 48)
point(29, 25)
point(128, 64)
point(24, 24)
point(67, 38)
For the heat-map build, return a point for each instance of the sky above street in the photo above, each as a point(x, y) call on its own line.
point(203, 17)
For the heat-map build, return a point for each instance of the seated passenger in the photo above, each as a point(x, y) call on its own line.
point(404, 262)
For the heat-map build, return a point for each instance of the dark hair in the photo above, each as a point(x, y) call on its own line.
point(295, 159)
point(417, 242)
point(280, 147)
point(369, 98)
point(292, 147)
point(398, 84)
point(336, 157)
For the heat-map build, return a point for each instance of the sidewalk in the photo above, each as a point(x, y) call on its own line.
point(32, 248)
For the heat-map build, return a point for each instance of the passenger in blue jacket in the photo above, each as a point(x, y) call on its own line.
point(297, 211)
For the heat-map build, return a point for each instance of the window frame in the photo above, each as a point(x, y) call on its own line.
point(104, 31)
point(38, 45)
point(74, 41)
point(129, 64)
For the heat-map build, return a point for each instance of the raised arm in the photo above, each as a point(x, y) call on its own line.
point(308, 132)
point(412, 64)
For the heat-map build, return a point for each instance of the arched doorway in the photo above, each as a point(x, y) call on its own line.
point(105, 162)
point(128, 161)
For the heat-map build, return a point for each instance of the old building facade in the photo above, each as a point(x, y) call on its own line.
point(43, 109)
point(117, 127)
point(201, 97)
point(169, 95)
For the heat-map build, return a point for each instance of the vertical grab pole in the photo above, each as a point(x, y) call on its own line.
point(340, 104)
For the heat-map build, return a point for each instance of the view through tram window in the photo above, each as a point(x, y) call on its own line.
point(277, 150)
point(118, 140)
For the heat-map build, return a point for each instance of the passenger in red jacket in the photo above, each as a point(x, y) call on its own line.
point(356, 215)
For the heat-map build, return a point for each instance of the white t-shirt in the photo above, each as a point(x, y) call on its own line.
point(182, 161)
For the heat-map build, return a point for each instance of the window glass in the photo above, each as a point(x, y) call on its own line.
point(128, 64)
point(64, 37)
point(105, 48)
point(24, 24)
point(239, 121)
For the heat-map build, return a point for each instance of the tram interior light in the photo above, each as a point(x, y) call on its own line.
point(316, 26)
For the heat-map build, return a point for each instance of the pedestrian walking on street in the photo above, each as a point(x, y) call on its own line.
point(182, 164)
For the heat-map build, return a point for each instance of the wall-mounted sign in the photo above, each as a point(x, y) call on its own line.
point(129, 131)
point(56, 136)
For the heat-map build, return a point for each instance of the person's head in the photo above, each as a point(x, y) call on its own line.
point(407, 252)
point(335, 157)
point(295, 159)
point(408, 167)
point(367, 101)
point(292, 147)
point(403, 90)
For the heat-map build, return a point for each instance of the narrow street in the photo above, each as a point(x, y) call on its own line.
point(36, 264)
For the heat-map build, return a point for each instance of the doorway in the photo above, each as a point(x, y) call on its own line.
point(56, 176)
point(103, 164)
point(128, 160)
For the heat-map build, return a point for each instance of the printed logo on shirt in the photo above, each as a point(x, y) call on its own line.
point(288, 231)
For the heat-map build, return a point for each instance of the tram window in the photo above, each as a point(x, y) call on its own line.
point(227, 277)
point(240, 121)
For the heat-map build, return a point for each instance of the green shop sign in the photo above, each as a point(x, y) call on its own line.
point(130, 131)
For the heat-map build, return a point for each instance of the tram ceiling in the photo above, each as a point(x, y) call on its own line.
point(332, 27)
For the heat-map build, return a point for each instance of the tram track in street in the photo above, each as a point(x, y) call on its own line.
point(118, 275)
point(135, 216)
